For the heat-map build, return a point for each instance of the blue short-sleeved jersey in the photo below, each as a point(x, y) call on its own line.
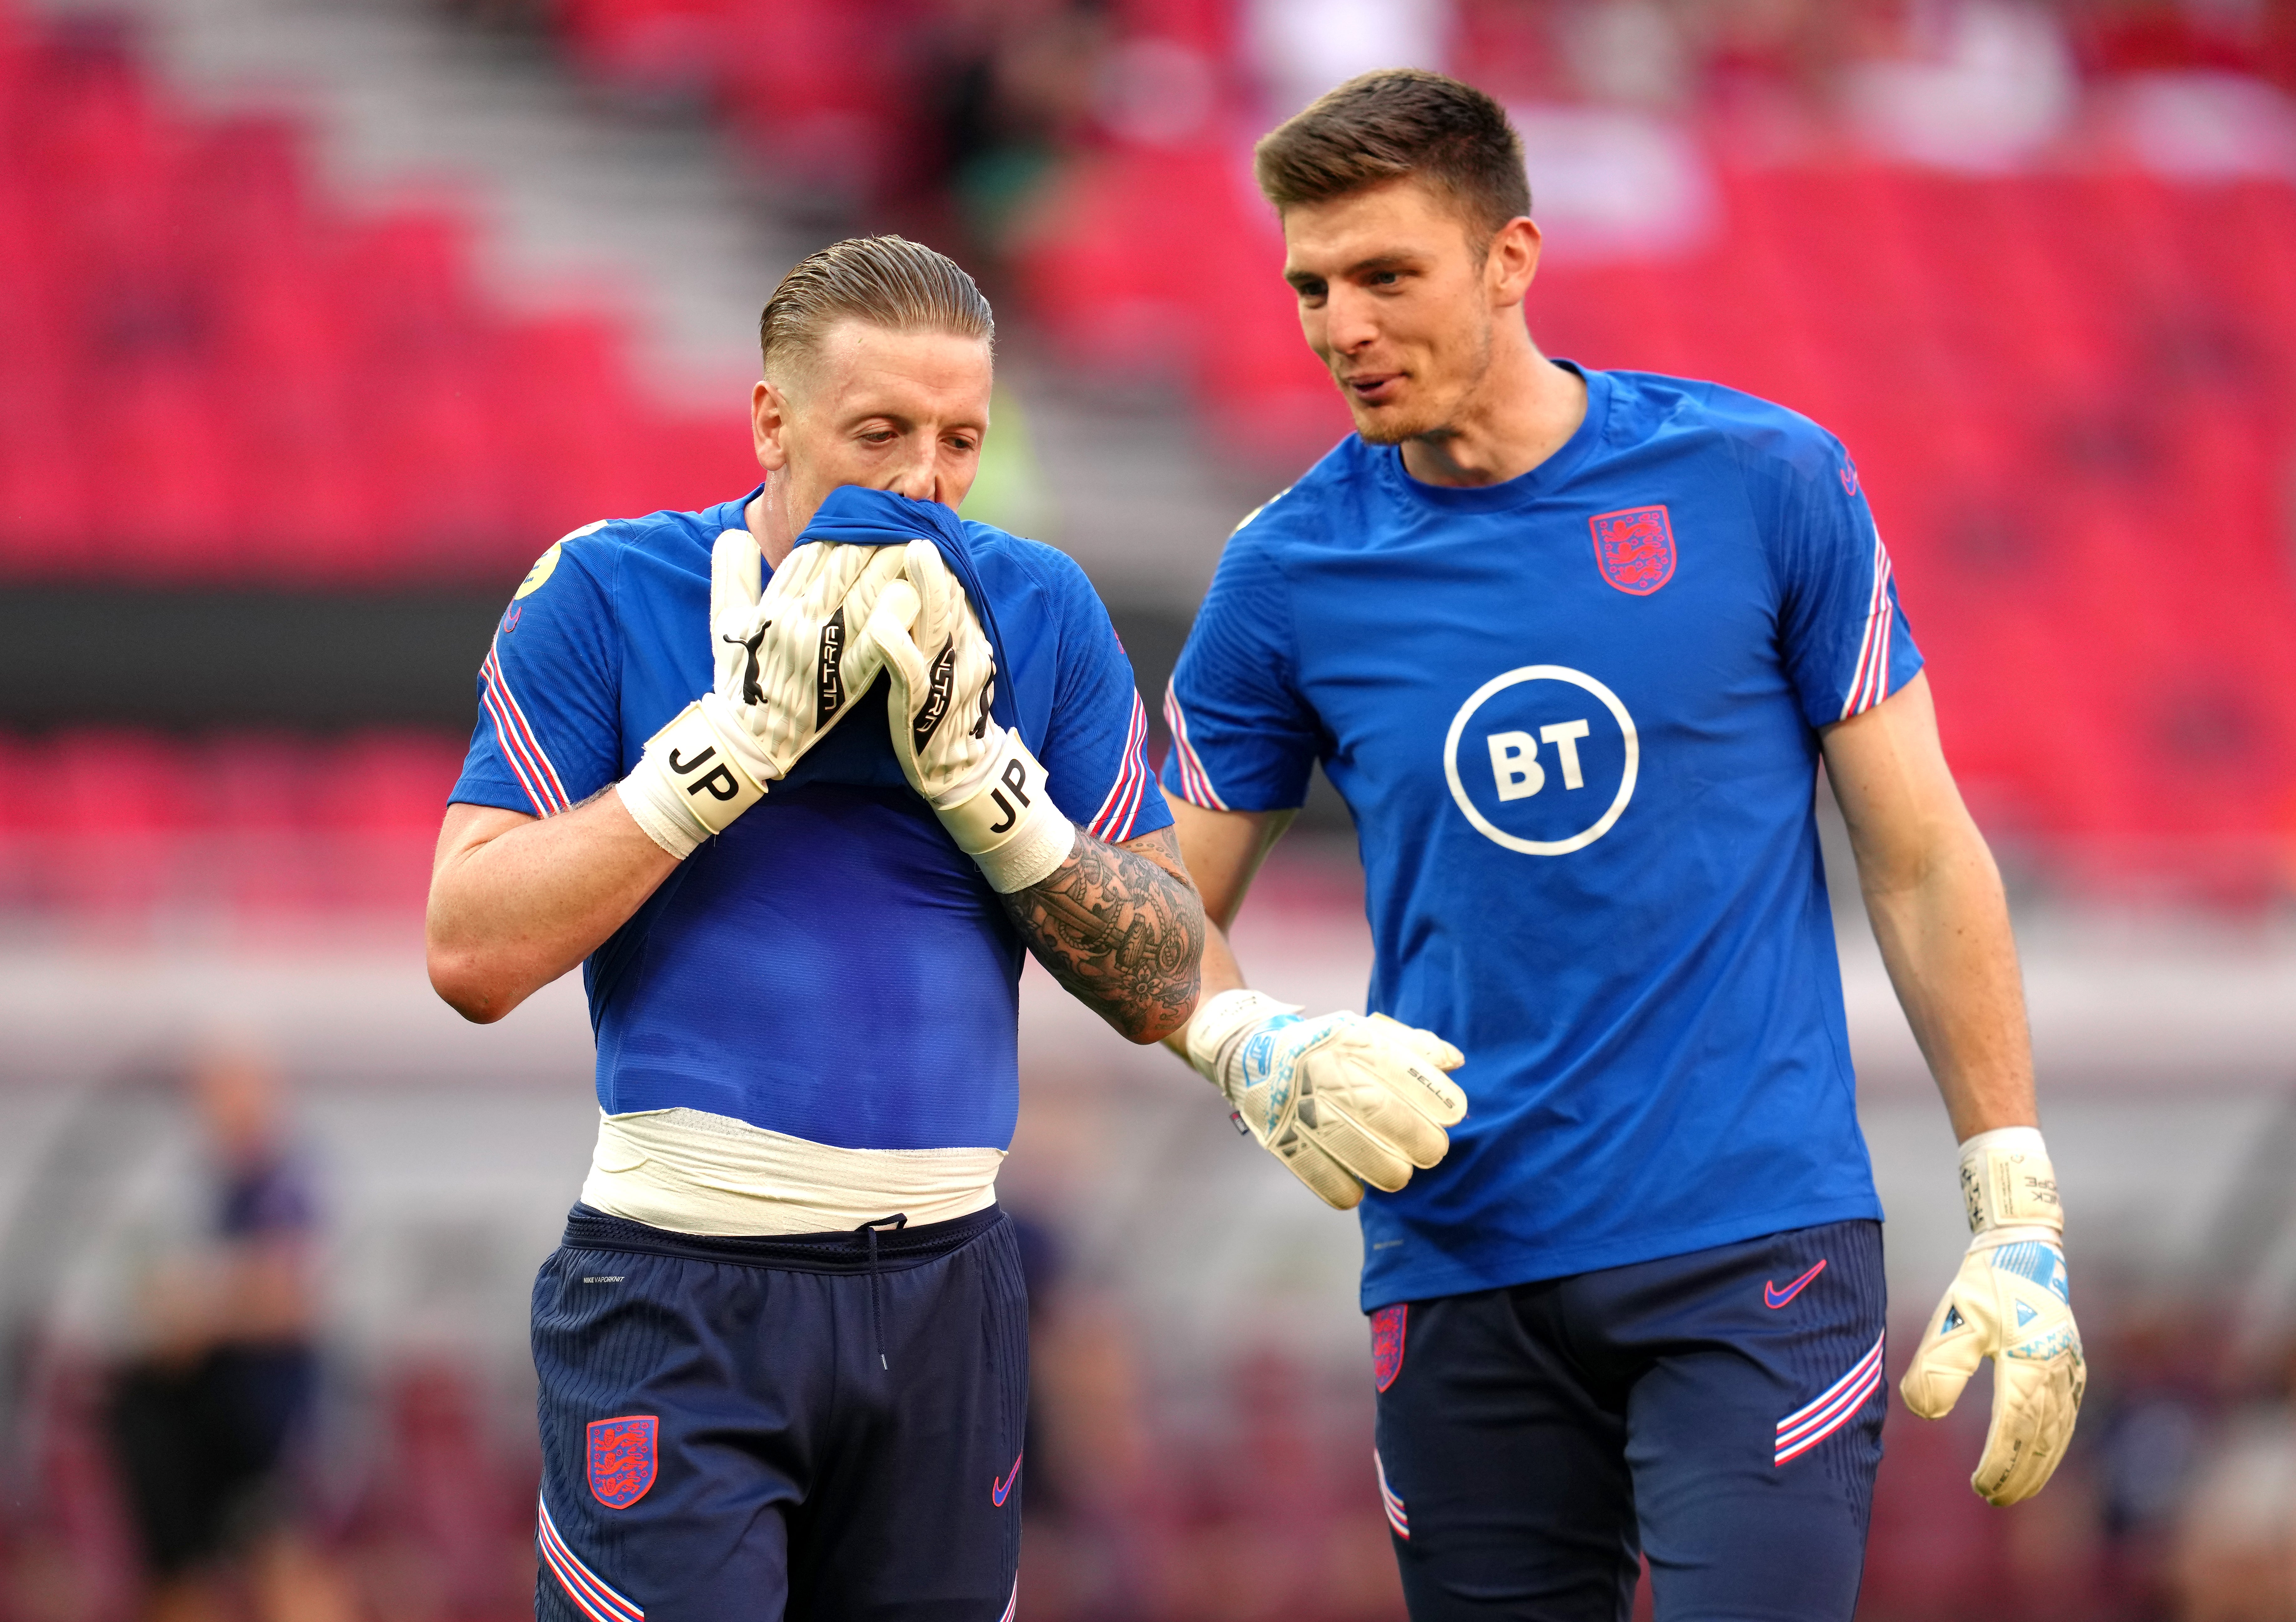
point(1576, 717)
point(832, 966)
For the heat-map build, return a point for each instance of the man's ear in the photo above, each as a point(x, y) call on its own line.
point(1513, 259)
point(769, 421)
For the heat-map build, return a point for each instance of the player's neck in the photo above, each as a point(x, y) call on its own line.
point(768, 519)
point(1522, 410)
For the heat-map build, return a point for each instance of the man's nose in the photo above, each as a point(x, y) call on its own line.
point(1348, 322)
point(918, 475)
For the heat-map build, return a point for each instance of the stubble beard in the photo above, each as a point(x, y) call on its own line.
point(1429, 420)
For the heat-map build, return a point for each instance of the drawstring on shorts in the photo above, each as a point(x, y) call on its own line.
point(893, 1224)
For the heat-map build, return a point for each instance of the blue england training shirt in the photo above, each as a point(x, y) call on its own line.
point(1576, 717)
point(831, 966)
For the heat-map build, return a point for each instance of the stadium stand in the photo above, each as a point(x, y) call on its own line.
point(213, 373)
point(2080, 470)
point(2081, 473)
point(2061, 384)
point(120, 822)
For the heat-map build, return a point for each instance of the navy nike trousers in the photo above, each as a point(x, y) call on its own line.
point(818, 1427)
point(1720, 1412)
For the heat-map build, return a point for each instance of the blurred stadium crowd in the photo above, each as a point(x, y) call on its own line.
point(2035, 264)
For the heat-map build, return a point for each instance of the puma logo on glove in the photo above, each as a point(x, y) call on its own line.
point(783, 672)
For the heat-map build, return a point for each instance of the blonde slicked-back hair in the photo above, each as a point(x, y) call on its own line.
point(886, 281)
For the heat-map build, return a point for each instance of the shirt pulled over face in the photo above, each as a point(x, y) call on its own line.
point(830, 968)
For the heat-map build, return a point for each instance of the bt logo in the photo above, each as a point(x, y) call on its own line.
point(1561, 753)
point(1515, 759)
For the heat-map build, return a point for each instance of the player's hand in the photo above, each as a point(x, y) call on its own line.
point(1342, 1100)
point(785, 669)
point(979, 778)
point(790, 660)
point(2009, 1302)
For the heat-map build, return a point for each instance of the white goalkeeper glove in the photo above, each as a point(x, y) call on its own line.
point(2009, 1302)
point(980, 780)
point(1342, 1100)
point(787, 666)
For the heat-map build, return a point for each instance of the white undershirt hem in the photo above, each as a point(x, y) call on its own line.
point(692, 1172)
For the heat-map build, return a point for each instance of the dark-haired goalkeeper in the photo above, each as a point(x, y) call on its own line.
point(795, 779)
point(1572, 644)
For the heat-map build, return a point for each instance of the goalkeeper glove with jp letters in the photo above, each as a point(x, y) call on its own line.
point(979, 777)
point(786, 668)
point(2009, 1302)
point(1343, 1100)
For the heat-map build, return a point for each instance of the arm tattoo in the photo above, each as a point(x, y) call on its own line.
point(1122, 928)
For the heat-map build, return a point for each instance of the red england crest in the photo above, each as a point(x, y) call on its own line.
point(1387, 1325)
point(1633, 547)
point(622, 1459)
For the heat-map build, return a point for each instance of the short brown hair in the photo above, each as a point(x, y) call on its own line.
point(886, 281)
point(1399, 121)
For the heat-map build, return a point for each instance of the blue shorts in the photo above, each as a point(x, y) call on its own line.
point(1718, 1412)
point(816, 1427)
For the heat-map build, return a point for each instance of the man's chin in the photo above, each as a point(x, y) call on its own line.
point(1386, 425)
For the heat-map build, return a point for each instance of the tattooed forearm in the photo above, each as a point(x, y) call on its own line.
point(1122, 928)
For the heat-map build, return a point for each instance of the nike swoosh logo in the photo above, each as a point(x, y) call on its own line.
point(999, 1491)
point(1774, 1297)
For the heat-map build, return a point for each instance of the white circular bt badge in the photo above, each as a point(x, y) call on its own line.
point(1542, 759)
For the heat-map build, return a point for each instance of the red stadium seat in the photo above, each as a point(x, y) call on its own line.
point(294, 398)
point(649, 46)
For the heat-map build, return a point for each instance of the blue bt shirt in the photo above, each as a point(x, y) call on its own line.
point(1576, 717)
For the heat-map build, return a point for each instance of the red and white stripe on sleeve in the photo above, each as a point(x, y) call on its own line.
point(1195, 782)
point(530, 762)
point(1871, 684)
point(1119, 813)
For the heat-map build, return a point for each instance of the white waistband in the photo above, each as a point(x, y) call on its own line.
point(692, 1172)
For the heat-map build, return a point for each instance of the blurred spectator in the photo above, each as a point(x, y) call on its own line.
point(1630, 51)
point(1983, 84)
point(1285, 1523)
point(2150, 1415)
point(2235, 1558)
point(2234, 1553)
point(1301, 48)
point(209, 1422)
point(1004, 87)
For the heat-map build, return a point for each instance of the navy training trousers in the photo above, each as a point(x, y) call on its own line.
point(821, 1428)
point(1718, 1412)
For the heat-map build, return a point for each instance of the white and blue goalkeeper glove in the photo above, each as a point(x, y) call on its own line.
point(788, 662)
point(2009, 1302)
point(1343, 1100)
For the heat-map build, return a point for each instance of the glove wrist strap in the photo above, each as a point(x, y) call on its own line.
point(1993, 1239)
point(2007, 1182)
point(688, 785)
point(1005, 820)
point(1217, 1024)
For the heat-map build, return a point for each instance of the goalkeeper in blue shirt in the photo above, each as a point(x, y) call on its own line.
point(1572, 645)
point(795, 779)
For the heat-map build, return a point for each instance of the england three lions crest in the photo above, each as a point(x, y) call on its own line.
point(1387, 1329)
point(1633, 547)
point(622, 1459)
